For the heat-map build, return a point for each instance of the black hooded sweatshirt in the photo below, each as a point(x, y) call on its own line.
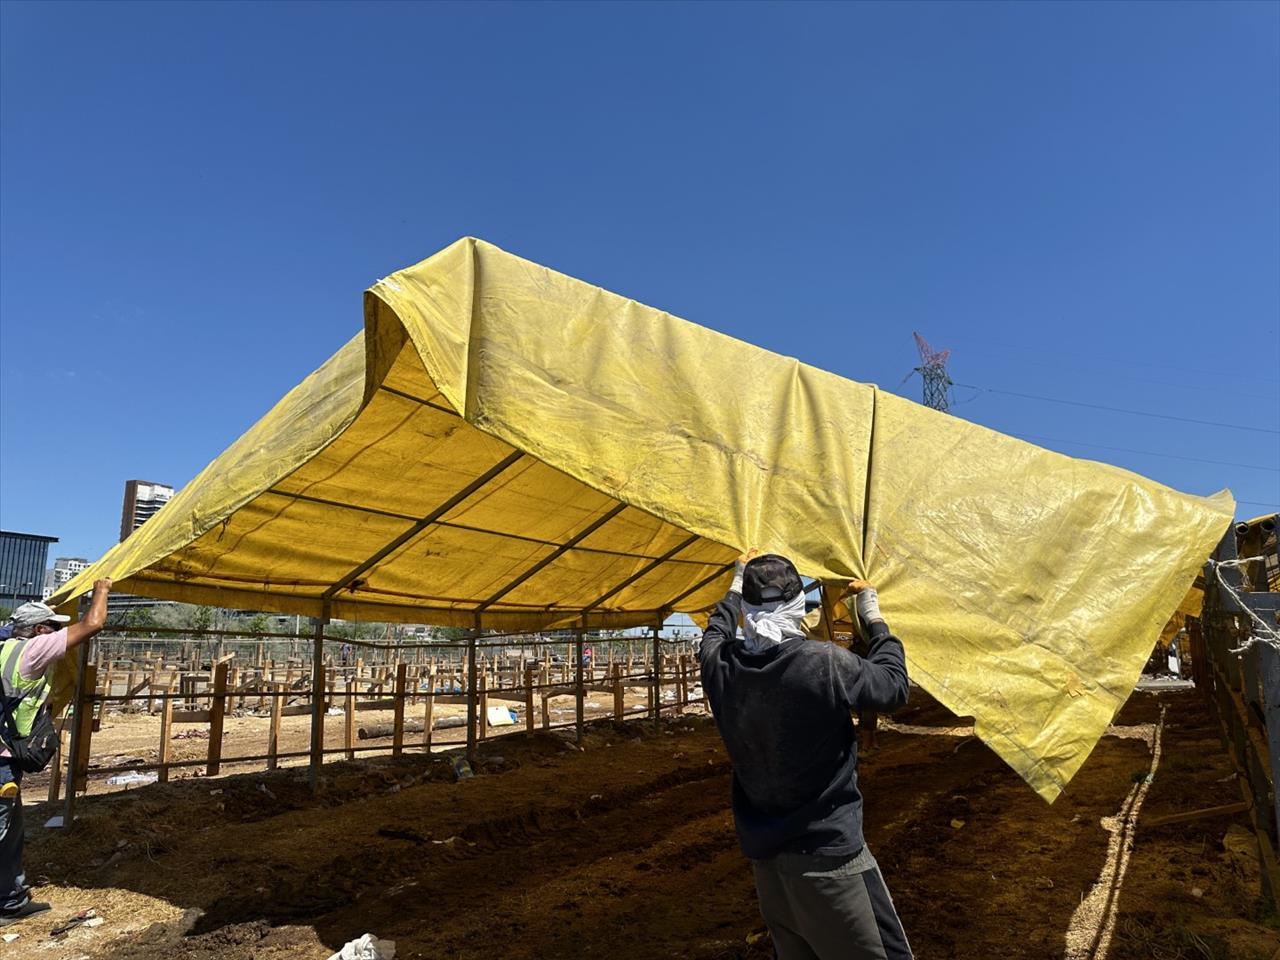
point(784, 715)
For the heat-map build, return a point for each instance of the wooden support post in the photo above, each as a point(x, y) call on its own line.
point(151, 689)
point(484, 705)
point(317, 696)
point(544, 681)
point(55, 768)
point(84, 726)
point(397, 732)
point(217, 711)
point(471, 695)
point(349, 721)
point(428, 710)
point(277, 692)
point(166, 729)
point(657, 675)
point(529, 718)
point(579, 691)
point(107, 683)
point(619, 693)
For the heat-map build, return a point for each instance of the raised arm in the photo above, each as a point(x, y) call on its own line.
point(877, 681)
point(94, 620)
point(723, 624)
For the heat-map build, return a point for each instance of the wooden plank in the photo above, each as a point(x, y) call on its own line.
point(166, 729)
point(217, 711)
point(528, 700)
point(1225, 810)
point(428, 710)
point(350, 719)
point(397, 738)
point(273, 732)
point(192, 716)
point(84, 730)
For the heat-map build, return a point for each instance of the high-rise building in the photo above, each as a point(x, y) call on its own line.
point(63, 570)
point(23, 557)
point(142, 499)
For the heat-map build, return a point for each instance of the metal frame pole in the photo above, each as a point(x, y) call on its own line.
point(657, 675)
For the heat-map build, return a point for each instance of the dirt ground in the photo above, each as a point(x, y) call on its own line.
point(625, 849)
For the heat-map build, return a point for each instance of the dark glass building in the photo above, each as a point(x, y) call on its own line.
point(23, 557)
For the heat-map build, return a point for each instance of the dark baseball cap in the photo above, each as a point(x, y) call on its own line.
point(770, 578)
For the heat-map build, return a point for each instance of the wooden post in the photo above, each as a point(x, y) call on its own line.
point(657, 676)
point(55, 768)
point(166, 729)
point(317, 696)
point(151, 688)
point(528, 700)
point(107, 683)
point(619, 693)
point(484, 705)
point(349, 721)
point(84, 726)
point(579, 708)
point(429, 709)
point(277, 692)
point(544, 679)
point(217, 710)
point(471, 695)
point(397, 724)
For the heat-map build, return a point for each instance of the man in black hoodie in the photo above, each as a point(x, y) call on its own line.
point(782, 704)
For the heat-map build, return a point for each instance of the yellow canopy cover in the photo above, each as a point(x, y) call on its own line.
point(509, 447)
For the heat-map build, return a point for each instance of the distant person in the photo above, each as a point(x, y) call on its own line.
point(28, 658)
point(782, 704)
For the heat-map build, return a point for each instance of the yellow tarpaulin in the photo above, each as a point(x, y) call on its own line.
point(510, 447)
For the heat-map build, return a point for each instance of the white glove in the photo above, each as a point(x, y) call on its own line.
point(869, 606)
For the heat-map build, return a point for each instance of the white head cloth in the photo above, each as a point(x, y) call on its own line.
point(768, 624)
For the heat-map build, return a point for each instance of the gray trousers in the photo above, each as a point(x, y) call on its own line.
point(829, 908)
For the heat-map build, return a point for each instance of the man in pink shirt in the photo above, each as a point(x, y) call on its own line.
point(40, 638)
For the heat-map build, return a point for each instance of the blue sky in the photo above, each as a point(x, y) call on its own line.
point(1081, 200)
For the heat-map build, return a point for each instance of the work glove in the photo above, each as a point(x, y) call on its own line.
point(867, 602)
point(739, 569)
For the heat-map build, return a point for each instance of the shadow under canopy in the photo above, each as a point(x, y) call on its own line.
point(510, 448)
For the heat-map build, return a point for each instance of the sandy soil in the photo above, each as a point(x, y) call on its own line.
point(626, 850)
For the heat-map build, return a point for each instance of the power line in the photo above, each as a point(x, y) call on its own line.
point(1258, 503)
point(1151, 453)
point(1135, 413)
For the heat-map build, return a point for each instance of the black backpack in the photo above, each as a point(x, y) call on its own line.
point(31, 753)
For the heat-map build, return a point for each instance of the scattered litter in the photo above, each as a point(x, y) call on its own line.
point(1044, 883)
point(72, 922)
point(333, 712)
point(461, 769)
point(754, 938)
point(215, 793)
point(94, 922)
point(957, 824)
point(10, 937)
point(133, 778)
point(195, 733)
point(597, 796)
point(501, 716)
point(263, 787)
point(54, 822)
point(441, 842)
point(1197, 892)
point(367, 947)
point(1240, 842)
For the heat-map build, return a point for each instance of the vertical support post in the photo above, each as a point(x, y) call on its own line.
point(528, 700)
point(429, 709)
point(166, 729)
point(657, 674)
point(619, 698)
point(277, 693)
point(349, 721)
point(1269, 662)
point(55, 769)
point(217, 711)
point(484, 704)
point(397, 723)
point(82, 732)
point(317, 695)
point(578, 690)
point(471, 696)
